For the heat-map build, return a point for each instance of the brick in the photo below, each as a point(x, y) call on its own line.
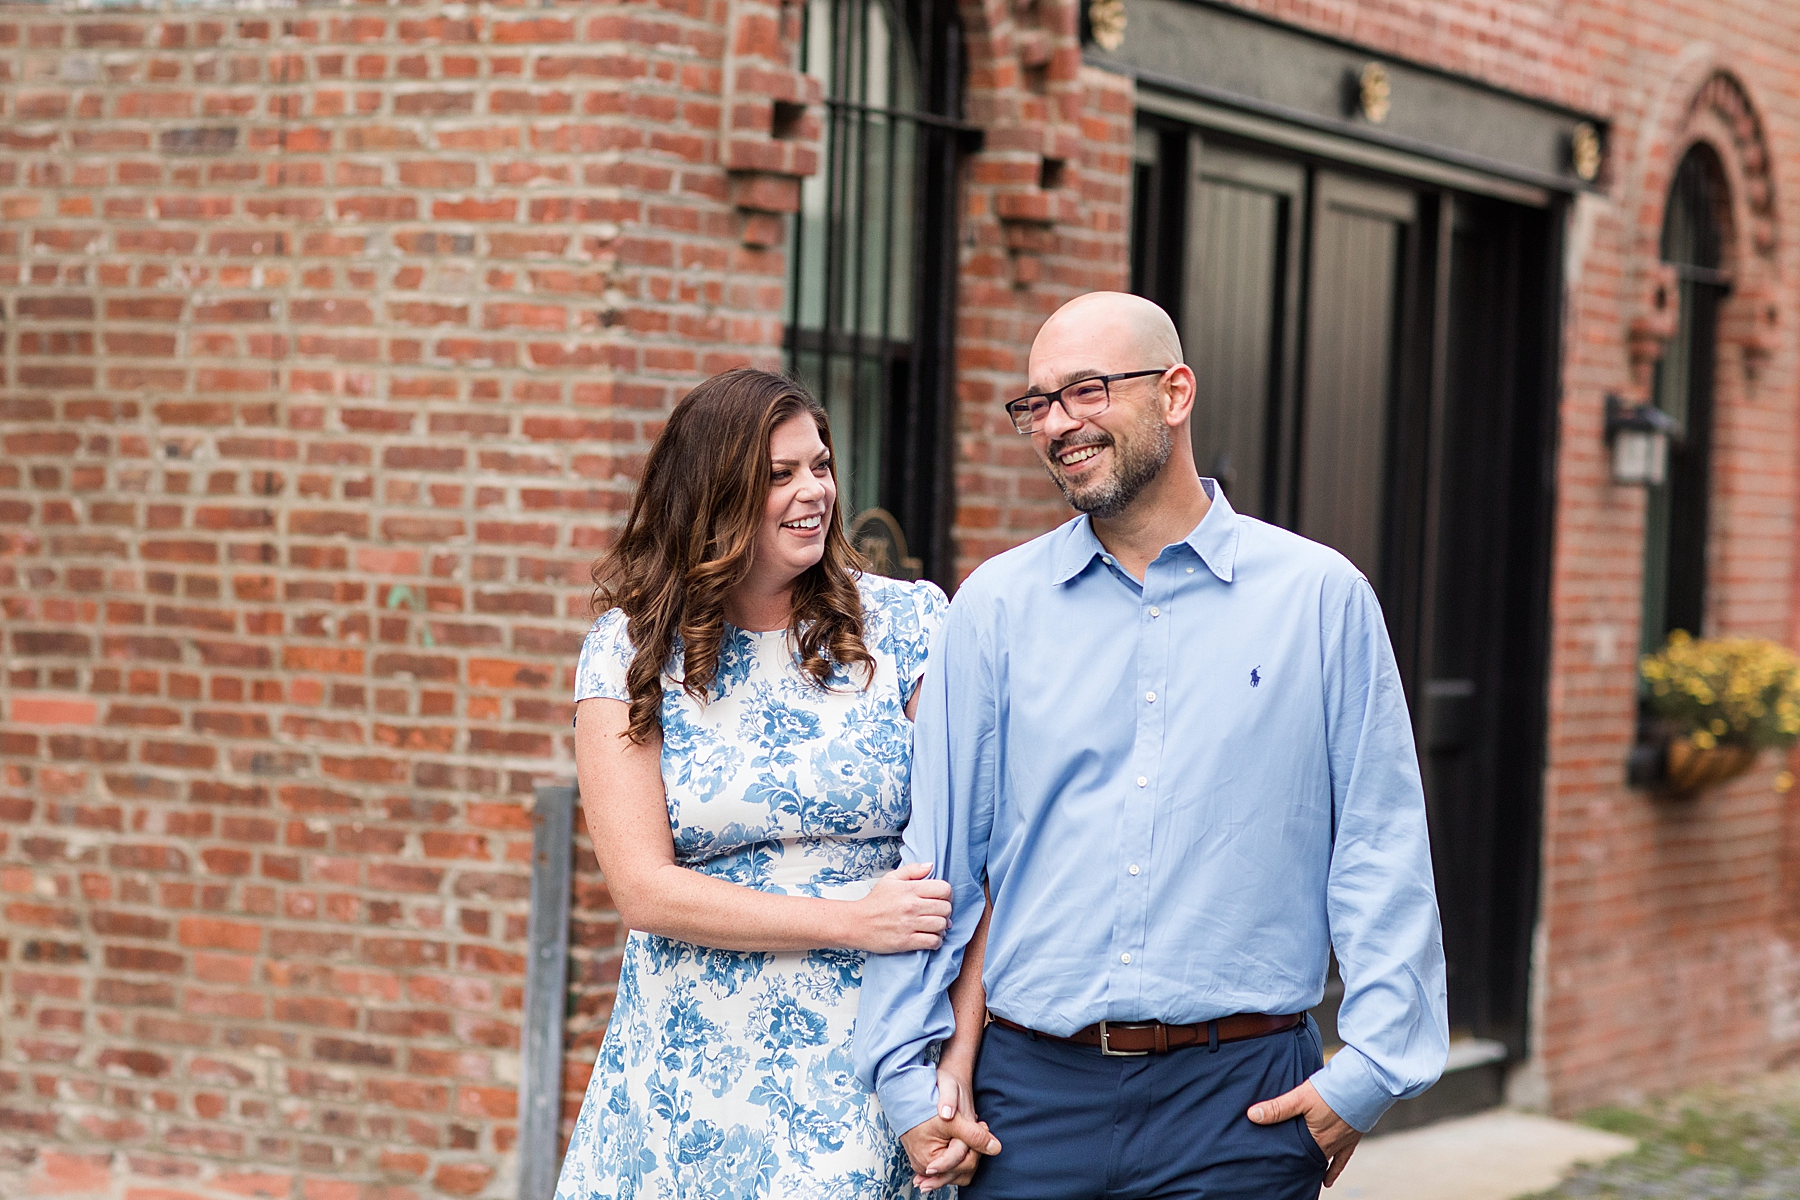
point(486, 1101)
point(409, 1094)
point(462, 1179)
point(329, 659)
point(46, 710)
point(204, 933)
point(317, 1010)
point(344, 1050)
point(132, 993)
point(142, 1063)
point(59, 1173)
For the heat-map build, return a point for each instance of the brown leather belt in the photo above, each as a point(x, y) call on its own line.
point(1132, 1038)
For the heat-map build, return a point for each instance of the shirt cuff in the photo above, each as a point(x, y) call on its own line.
point(1348, 1083)
point(908, 1095)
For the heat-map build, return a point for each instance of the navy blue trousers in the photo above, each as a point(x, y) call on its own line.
point(1078, 1125)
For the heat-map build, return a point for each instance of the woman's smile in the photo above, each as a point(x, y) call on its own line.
point(806, 526)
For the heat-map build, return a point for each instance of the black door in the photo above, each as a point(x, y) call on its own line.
point(1239, 313)
point(1372, 368)
point(1483, 703)
point(1363, 238)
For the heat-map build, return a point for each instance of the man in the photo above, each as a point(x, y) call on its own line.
point(1171, 743)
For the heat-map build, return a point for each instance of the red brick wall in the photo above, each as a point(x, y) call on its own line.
point(1028, 250)
point(333, 341)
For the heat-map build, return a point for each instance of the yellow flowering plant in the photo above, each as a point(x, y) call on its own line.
point(1725, 691)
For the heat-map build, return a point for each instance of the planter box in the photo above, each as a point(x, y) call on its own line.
point(1689, 768)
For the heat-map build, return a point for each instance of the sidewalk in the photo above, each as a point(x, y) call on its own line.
point(1495, 1155)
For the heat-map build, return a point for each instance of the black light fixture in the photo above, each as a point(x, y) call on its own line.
point(1639, 436)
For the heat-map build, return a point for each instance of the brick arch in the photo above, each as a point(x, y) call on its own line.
point(1722, 113)
point(1707, 96)
point(1707, 101)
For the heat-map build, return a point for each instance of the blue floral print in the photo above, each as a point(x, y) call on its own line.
point(727, 1075)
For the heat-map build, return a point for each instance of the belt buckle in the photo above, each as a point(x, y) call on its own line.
point(1106, 1046)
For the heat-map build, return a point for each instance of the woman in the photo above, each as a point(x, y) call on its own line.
point(743, 738)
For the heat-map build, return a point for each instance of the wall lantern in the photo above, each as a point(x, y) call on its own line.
point(1639, 435)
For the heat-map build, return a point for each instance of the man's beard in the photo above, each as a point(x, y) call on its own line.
point(1136, 462)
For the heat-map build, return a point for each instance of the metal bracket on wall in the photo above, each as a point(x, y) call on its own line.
point(546, 992)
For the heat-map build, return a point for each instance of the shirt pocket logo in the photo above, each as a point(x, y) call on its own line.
point(1256, 676)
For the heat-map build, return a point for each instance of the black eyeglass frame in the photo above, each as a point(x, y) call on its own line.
point(1056, 397)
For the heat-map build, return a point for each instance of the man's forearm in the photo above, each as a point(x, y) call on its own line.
point(968, 1000)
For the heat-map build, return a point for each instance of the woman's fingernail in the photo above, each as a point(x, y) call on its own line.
point(946, 1112)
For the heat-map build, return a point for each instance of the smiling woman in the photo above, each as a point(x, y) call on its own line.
point(744, 737)
point(701, 535)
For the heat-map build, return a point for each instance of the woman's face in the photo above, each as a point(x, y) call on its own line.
point(802, 500)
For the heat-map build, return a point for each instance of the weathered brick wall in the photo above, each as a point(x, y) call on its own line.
point(333, 341)
point(1665, 956)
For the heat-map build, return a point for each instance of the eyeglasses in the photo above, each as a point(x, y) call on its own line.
point(1080, 400)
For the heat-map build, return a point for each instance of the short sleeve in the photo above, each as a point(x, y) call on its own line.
point(606, 655)
point(917, 630)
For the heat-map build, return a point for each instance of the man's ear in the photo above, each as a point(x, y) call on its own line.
point(1178, 395)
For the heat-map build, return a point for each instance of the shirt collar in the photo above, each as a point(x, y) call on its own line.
point(1214, 540)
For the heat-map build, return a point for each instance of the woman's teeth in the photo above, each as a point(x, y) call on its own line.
point(804, 523)
point(1078, 454)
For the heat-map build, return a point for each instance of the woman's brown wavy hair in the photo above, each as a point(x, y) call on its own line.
point(691, 538)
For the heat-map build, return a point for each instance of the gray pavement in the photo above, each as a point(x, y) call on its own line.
point(1494, 1155)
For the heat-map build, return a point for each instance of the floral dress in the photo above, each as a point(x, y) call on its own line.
point(728, 1075)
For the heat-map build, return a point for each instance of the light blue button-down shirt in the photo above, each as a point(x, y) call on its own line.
point(1180, 793)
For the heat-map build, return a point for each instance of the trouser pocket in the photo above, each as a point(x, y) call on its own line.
point(1309, 1056)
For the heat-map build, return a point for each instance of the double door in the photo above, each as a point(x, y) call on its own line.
point(1373, 367)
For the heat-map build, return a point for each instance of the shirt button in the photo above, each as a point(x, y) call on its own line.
point(1107, 559)
point(1126, 959)
point(1155, 611)
point(1150, 696)
point(1133, 868)
point(1190, 570)
point(1143, 781)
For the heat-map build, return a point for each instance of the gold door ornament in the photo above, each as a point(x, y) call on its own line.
point(1106, 22)
point(1584, 152)
point(1374, 96)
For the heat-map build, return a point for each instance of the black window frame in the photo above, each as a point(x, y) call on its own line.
point(905, 384)
point(1678, 511)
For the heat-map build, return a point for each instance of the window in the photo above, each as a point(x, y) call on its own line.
point(1676, 514)
point(873, 260)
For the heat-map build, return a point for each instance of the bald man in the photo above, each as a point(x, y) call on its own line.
point(1169, 744)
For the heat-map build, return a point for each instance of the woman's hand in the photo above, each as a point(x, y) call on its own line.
point(950, 1160)
point(905, 910)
